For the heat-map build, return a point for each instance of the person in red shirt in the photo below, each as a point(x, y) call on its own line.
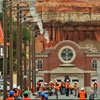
point(11, 93)
point(26, 96)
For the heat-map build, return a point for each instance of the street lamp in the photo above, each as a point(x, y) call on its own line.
point(33, 56)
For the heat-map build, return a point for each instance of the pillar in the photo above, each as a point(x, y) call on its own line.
point(47, 77)
point(87, 81)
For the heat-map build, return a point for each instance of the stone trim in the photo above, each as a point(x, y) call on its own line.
point(93, 54)
point(73, 51)
point(64, 41)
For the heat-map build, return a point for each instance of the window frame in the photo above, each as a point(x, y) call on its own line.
point(37, 64)
point(94, 64)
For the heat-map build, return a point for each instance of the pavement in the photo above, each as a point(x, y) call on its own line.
point(62, 97)
point(53, 97)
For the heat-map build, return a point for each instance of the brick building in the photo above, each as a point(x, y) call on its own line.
point(67, 58)
point(74, 33)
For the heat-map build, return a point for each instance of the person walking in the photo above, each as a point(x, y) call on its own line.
point(11, 93)
point(67, 88)
point(75, 88)
point(95, 88)
point(56, 90)
point(82, 94)
point(62, 87)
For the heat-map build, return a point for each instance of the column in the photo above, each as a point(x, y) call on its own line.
point(47, 77)
point(87, 81)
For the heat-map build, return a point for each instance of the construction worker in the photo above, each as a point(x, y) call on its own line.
point(16, 93)
point(71, 89)
point(19, 98)
point(55, 82)
point(19, 91)
point(67, 88)
point(56, 90)
point(26, 96)
point(42, 94)
point(38, 85)
point(75, 88)
point(45, 97)
point(11, 93)
point(82, 94)
point(95, 88)
point(62, 87)
point(51, 84)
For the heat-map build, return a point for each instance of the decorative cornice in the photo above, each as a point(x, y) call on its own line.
point(93, 54)
point(42, 54)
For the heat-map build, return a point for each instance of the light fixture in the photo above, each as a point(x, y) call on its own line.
point(32, 10)
point(35, 17)
point(41, 31)
point(46, 36)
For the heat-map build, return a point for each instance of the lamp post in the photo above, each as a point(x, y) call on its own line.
point(33, 55)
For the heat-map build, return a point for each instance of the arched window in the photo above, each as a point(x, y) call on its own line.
point(39, 64)
point(94, 63)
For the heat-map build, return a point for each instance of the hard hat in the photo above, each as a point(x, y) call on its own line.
point(75, 81)
point(61, 80)
point(18, 87)
point(95, 81)
point(19, 98)
point(42, 94)
point(14, 85)
point(46, 96)
point(11, 92)
point(82, 89)
point(67, 80)
point(51, 81)
point(25, 92)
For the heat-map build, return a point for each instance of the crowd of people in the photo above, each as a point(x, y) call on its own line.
point(52, 88)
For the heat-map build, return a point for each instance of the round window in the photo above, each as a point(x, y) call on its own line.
point(67, 54)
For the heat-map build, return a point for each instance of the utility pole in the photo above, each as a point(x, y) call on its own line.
point(5, 52)
point(25, 68)
point(21, 72)
point(33, 62)
point(18, 47)
point(11, 48)
point(30, 63)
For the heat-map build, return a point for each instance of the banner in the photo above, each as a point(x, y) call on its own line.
point(1, 35)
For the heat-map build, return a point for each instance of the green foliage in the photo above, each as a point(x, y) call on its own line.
point(26, 34)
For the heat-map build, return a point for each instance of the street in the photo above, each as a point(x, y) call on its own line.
point(64, 97)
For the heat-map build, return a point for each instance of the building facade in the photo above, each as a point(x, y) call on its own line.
point(67, 58)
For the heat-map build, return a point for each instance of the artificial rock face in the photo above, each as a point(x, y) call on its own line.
point(76, 20)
